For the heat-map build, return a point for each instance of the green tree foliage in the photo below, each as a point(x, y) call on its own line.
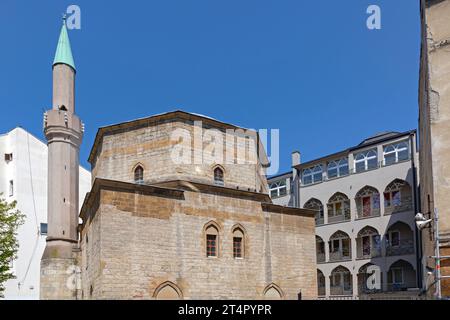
point(10, 220)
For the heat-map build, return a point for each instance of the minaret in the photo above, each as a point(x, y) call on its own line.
point(64, 132)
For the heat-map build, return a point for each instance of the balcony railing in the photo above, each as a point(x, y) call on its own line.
point(405, 205)
point(339, 256)
point(403, 248)
point(339, 218)
point(368, 213)
point(320, 257)
point(373, 252)
point(341, 290)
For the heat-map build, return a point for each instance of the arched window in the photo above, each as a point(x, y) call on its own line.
point(396, 152)
point(341, 282)
point(401, 275)
point(368, 243)
point(397, 197)
point(368, 202)
point(337, 168)
point(238, 243)
point(212, 240)
point(139, 175)
point(273, 292)
point(312, 175)
point(278, 189)
point(315, 204)
point(366, 160)
point(320, 283)
point(167, 291)
point(399, 239)
point(340, 246)
point(369, 274)
point(320, 249)
point(338, 208)
point(218, 176)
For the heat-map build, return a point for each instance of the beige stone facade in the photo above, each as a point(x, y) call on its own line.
point(434, 128)
point(148, 240)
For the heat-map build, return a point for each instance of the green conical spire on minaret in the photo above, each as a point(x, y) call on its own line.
point(63, 51)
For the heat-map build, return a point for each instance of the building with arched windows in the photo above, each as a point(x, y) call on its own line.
point(158, 224)
point(178, 209)
point(365, 198)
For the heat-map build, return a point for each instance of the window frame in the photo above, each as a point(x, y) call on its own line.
point(396, 148)
point(311, 173)
point(278, 186)
point(365, 160)
point(138, 174)
point(338, 165)
point(11, 188)
point(209, 248)
point(219, 180)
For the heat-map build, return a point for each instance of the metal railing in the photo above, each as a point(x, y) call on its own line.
point(403, 248)
point(361, 213)
point(339, 218)
point(341, 290)
point(339, 256)
point(374, 252)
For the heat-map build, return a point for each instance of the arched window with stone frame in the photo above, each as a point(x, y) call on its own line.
point(338, 208)
point(398, 197)
point(238, 234)
point(218, 176)
point(316, 205)
point(367, 202)
point(211, 234)
point(138, 174)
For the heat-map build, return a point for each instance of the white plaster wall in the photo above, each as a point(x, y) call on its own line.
point(28, 170)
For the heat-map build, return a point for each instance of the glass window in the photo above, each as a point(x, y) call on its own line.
point(211, 243)
point(337, 168)
point(366, 160)
point(312, 175)
point(218, 176)
point(393, 238)
point(317, 174)
point(139, 175)
point(278, 189)
point(43, 229)
point(396, 152)
point(11, 188)
point(237, 247)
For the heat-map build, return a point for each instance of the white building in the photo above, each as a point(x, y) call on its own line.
point(366, 198)
point(23, 177)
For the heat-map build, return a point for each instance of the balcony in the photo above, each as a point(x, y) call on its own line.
point(339, 218)
point(404, 247)
point(405, 205)
point(341, 290)
point(340, 256)
point(370, 213)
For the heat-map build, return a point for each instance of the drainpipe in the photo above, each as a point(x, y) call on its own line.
point(416, 199)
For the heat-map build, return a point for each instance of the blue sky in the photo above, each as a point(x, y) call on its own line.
point(309, 68)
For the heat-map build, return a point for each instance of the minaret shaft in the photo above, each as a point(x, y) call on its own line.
point(63, 131)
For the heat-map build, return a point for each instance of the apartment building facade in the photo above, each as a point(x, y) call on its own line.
point(23, 178)
point(366, 199)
